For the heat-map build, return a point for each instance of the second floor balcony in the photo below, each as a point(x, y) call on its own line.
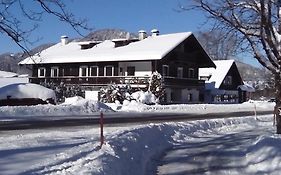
point(139, 81)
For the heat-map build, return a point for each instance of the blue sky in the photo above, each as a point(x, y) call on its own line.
point(129, 15)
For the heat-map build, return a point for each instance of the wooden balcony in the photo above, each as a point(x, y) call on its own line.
point(101, 80)
point(174, 81)
point(140, 81)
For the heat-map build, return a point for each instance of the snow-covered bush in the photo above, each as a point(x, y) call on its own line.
point(113, 93)
point(64, 91)
point(156, 85)
point(116, 93)
point(144, 97)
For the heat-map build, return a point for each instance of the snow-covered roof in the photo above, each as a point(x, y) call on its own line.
point(4, 74)
point(247, 88)
point(26, 90)
point(150, 48)
point(217, 74)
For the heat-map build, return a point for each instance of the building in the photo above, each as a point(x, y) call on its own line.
point(223, 83)
point(95, 64)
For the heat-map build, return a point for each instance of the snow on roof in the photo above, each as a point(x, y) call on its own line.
point(247, 88)
point(218, 74)
point(26, 90)
point(4, 74)
point(151, 48)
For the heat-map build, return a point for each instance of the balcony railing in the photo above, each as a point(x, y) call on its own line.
point(101, 80)
point(105, 80)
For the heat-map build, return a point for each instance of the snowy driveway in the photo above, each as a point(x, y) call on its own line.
point(223, 151)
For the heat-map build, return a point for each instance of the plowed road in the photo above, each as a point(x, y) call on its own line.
point(112, 118)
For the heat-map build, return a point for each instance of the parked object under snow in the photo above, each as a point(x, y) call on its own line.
point(26, 94)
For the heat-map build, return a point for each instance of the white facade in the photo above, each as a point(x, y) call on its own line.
point(182, 95)
point(92, 95)
point(141, 68)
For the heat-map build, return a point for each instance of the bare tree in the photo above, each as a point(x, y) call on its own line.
point(20, 18)
point(218, 44)
point(257, 24)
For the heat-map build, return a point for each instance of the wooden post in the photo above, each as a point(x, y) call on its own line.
point(101, 129)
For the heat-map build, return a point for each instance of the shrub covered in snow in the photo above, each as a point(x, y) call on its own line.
point(119, 94)
point(64, 91)
point(156, 85)
point(113, 93)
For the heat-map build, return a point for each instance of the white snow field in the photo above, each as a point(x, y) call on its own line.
point(163, 148)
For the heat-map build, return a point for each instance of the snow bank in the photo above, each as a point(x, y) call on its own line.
point(135, 106)
point(81, 106)
point(135, 150)
point(138, 148)
point(72, 106)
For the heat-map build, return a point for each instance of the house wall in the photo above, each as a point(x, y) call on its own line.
point(178, 95)
point(141, 68)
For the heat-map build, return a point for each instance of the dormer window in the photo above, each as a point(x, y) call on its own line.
point(54, 71)
point(41, 72)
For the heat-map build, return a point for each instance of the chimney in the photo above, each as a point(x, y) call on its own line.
point(142, 34)
point(64, 40)
point(154, 32)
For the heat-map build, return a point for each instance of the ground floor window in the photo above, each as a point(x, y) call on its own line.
point(225, 98)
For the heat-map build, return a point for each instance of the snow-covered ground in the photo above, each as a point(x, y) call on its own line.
point(140, 149)
point(136, 149)
point(78, 106)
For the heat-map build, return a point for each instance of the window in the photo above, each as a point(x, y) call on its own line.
point(165, 70)
point(83, 71)
point(108, 70)
point(180, 72)
point(121, 71)
point(191, 73)
point(54, 71)
point(41, 72)
point(227, 80)
point(130, 71)
point(94, 71)
point(189, 97)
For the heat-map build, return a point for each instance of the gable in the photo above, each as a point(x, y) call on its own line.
point(236, 79)
point(190, 51)
point(218, 75)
